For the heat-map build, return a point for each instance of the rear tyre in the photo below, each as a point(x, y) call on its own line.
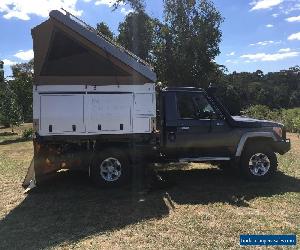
point(258, 162)
point(110, 168)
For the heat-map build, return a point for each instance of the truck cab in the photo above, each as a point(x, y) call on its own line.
point(196, 127)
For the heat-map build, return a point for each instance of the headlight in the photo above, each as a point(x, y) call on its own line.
point(278, 131)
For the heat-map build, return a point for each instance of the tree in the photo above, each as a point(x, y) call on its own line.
point(103, 28)
point(21, 85)
point(136, 34)
point(295, 99)
point(192, 36)
point(136, 5)
point(1, 72)
point(10, 113)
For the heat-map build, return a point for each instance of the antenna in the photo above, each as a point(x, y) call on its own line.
point(112, 42)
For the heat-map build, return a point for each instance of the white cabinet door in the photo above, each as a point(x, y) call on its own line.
point(62, 113)
point(109, 113)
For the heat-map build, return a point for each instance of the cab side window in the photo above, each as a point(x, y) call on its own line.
point(194, 106)
point(185, 105)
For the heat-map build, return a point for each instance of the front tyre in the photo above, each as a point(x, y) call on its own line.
point(258, 162)
point(110, 168)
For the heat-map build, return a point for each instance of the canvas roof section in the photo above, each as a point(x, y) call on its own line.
point(67, 51)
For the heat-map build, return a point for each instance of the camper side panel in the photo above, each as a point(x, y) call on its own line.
point(93, 110)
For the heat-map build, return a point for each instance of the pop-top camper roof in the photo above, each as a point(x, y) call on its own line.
point(68, 51)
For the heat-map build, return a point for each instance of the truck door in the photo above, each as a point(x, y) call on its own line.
point(191, 135)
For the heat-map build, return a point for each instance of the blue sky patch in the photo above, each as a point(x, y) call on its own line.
point(259, 34)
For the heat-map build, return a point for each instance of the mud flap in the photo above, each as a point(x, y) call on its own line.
point(40, 167)
point(29, 180)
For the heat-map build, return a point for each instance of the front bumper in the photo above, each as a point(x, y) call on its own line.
point(282, 146)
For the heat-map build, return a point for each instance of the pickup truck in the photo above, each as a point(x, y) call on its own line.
point(96, 108)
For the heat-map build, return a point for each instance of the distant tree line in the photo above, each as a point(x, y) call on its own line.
point(276, 90)
point(182, 48)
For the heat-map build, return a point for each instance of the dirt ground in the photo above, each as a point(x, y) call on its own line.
point(200, 207)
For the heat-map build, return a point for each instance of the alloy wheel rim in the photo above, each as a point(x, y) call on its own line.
point(259, 164)
point(110, 169)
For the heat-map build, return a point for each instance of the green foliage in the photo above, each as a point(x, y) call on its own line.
point(191, 37)
point(136, 34)
point(275, 89)
point(258, 111)
point(10, 113)
point(183, 47)
point(27, 133)
point(289, 117)
point(137, 5)
point(21, 85)
point(16, 96)
point(1, 72)
point(104, 29)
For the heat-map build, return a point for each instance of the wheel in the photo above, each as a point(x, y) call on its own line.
point(258, 162)
point(110, 168)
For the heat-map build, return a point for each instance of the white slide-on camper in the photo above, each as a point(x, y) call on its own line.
point(87, 90)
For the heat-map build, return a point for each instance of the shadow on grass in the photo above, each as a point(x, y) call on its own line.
point(7, 133)
point(17, 140)
point(67, 208)
point(204, 186)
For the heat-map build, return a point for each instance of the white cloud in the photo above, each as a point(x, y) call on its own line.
point(264, 43)
point(275, 15)
point(8, 62)
point(24, 55)
point(270, 57)
point(231, 61)
point(291, 6)
point(231, 53)
point(284, 50)
point(265, 4)
point(269, 25)
point(295, 36)
point(109, 3)
point(293, 19)
point(126, 12)
point(22, 9)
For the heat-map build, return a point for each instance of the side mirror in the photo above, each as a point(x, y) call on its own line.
point(212, 115)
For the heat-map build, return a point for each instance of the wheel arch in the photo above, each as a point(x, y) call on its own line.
point(254, 137)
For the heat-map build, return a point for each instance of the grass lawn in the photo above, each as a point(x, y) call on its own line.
point(201, 208)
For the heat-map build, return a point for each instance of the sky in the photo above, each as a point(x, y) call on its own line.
point(257, 34)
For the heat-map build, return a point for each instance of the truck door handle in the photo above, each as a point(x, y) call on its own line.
point(184, 128)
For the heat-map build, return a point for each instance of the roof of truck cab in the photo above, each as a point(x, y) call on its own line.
point(101, 60)
point(184, 89)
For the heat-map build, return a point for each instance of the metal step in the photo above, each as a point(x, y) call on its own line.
point(204, 159)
